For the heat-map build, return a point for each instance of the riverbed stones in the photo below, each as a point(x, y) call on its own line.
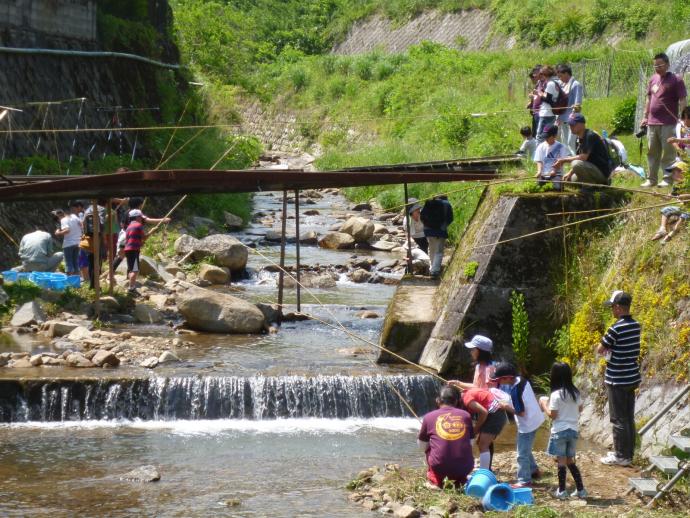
point(21, 363)
point(168, 357)
point(271, 312)
point(78, 360)
point(149, 363)
point(36, 360)
point(313, 280)
point(142, 474)
point(309, 238)
point(382, 245)
point(105, 358)
point(147, 314)
point(28, 314)
point(214, 274)
point(55, 328)
point(205, 310)
point(109, 304)
point(232, 222)
point(360, 275)
point(362, 229)
point(405, 511)
point(337, 241)
point(362, 206)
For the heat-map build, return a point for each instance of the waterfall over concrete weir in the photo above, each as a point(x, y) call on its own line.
point(214, 397)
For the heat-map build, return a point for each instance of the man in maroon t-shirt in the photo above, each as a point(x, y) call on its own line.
point(446, 438)
point(666, 97)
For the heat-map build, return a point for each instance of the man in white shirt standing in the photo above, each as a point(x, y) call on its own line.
point(71, 231)
point(573, 89)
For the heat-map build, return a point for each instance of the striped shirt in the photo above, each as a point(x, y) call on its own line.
point(134, 237)
point(623, 342)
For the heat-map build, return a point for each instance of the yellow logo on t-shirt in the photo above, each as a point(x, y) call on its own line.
point(450, 427)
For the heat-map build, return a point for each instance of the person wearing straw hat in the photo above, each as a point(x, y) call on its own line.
point(417, 228)
point(446, 439)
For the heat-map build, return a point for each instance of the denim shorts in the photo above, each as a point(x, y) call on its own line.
point(673, 211)
point(562, 444)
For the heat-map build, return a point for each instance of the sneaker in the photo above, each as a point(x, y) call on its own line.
point(663, 183)
point(579, 494)
point(659, 234)
point(615, 461)
point(646, 184)
point(560, 495)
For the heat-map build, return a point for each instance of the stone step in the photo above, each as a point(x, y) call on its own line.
point(644, 486)
point(681, 442)
point(667, 465)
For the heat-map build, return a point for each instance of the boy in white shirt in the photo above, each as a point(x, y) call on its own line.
point(546, 155)
point(71, 231)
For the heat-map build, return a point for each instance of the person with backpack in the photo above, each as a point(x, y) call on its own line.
point(573, 94)
point(592, 163)
point(552, 98)
point(436, 215)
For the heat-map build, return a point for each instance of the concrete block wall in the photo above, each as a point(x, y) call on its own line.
point(63, 18)
point(469, 29)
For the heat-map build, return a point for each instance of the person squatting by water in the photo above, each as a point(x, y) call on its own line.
point(528, 417)
point(36, 253)
point(674, 217)
point(564, 406)
point(620, 346)
point(437, 215)
point(445, 437)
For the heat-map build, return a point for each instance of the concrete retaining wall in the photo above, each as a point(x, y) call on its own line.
point(62, 18)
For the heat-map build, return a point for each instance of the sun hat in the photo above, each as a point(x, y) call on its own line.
point(480, 342)
point(414, 207)
point(136, 213)
point(619, 297)
point(678, 164)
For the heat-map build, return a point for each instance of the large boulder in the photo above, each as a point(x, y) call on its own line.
point(28, 314)
point(227, 250)
point(148, 267)
point(362, 229)
point(147, 314)
point(206, 310)
point(232, 222)
point(105, 358)
point(214, 274)
point(337, 240)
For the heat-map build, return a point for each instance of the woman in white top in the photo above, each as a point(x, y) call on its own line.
point(549, 96)
point(417, 228)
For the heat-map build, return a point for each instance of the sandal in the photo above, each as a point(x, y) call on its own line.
point(659, 234)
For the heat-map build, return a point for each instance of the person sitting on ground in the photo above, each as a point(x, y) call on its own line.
point(36, 253)
point(437, 215)
point(446, 438)
point(529, 143)
point(591, 163)
point(528, 417)
point(133, 243)
point(70, 230)
point(490, 418)
point(417, 228)
point(682, 139)
point(564, 407)
point(546, 155)
point(673, 216)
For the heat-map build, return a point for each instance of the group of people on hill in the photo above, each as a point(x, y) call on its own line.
point(121, 231)
point(558, 135)
point(498, 392)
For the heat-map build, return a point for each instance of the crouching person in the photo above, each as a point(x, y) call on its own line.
point(446, 439)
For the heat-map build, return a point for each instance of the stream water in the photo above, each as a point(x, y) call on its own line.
point(278, 423)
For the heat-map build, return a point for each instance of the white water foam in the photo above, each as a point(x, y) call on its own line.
point(219, 426)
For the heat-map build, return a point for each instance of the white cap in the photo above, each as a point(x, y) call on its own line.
point(480, 342)
point(136, 213)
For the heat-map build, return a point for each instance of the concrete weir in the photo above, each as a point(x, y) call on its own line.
point(466, 304)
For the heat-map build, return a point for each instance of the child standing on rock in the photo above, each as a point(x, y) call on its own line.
point(564, 407)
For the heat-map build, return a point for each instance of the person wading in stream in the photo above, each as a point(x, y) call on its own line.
point(621, 348)
point(446, 439)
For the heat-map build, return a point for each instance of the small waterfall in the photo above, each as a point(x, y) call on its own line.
point(215, 397)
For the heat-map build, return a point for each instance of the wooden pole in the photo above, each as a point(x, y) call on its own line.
point(96, 258)
point(409, 237)
point(299, 291)
point(109, 244)
point(281, 274)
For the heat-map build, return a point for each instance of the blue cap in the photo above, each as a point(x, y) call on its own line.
point(575, 118)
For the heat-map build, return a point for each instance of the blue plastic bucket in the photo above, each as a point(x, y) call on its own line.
point(480, 482)
point(58, 284)
point(74, 281)
point(58, 276)
point(499, 497)
point(23, 276)
point(523, 496)
point(9, 276)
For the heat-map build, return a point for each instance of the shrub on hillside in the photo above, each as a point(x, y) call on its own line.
point(623, 120)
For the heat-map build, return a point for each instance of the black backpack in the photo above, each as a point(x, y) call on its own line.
point(433, 214)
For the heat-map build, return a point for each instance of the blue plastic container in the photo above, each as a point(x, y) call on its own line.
point(58, 284)
point(73, 281)
point(23, 276)
point(523, 496)
point(9, 276)
point(480, 482)
point(499, 497)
